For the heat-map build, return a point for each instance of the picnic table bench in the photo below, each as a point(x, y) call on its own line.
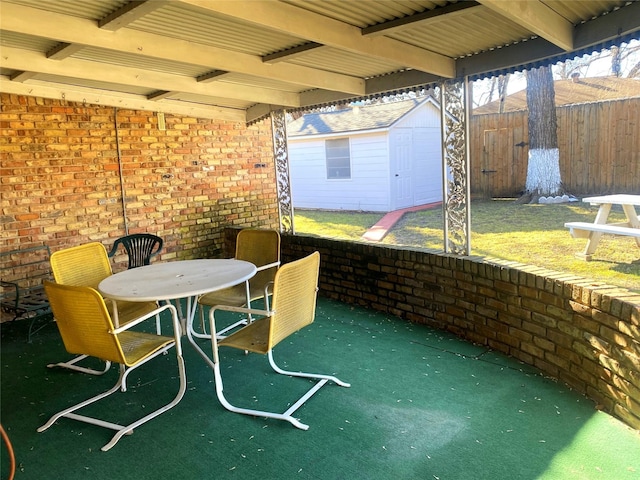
point(594, 231)
point(22, 295)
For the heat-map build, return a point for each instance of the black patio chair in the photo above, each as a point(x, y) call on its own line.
point(140, 248)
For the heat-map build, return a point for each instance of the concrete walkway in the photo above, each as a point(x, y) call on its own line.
point(386, 223)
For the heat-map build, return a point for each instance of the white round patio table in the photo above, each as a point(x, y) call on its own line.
point(172, 281)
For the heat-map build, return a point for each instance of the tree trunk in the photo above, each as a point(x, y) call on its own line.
point(543, 169)
point(616, 60)
point(503, 82)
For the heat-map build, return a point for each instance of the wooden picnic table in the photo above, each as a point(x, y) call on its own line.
point(594, 231)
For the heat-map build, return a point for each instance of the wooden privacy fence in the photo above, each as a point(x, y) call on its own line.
point(599, 146)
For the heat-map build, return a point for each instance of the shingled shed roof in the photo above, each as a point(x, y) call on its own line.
point(355, 118)
point(568, 92)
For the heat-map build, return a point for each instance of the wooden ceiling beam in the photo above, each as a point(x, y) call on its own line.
point(129, 13)
point(306, 25)
point(394, 82)
point(536, 17)
point(121, 100)
point(621, 23)
point(64, 50)
point(212, 76)
point(421, 19)
point(22, 76)
point(614, 25)
point(291, 53)
point(161, 95)
point(18, 59)
point(74, 30)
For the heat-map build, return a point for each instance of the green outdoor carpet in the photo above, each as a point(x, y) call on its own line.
point(422, 405)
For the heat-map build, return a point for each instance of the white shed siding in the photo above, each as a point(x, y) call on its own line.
point(428, 167)
point(367, 189)
point(427, 116)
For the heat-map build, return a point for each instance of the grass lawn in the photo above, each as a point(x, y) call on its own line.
point(529, 234)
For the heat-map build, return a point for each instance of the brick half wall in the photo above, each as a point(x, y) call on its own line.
point(585, 334)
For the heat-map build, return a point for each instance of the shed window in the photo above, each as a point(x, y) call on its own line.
point(338, 158)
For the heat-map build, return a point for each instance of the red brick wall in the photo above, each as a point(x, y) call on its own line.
point(61, 183)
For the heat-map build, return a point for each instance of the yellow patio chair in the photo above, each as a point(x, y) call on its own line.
point(87, 265)
point(293, 307)
point(260, 247)
point(87, 329)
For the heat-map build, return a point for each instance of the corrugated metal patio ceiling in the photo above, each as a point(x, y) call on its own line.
point(290, 53)
point(187, 22)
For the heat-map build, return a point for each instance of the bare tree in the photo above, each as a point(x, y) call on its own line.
point(624, 62)
point(503, 82)
point(543, 168)
point(495, 88)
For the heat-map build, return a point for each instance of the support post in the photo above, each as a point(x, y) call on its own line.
point(454, 112)
point(283, 178)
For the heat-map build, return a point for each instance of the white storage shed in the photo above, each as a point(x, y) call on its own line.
point(376, 158)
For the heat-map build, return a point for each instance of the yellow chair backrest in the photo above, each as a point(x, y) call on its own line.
point(85, 265)
point(83, 321)
point(294, 297)
point(260, 247)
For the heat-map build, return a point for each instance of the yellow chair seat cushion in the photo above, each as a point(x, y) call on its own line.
point(137, 346)
point(235, 296)
point(128, 311)
point(254, 337)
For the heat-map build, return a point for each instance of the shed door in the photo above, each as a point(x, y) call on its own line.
point(401, 163)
